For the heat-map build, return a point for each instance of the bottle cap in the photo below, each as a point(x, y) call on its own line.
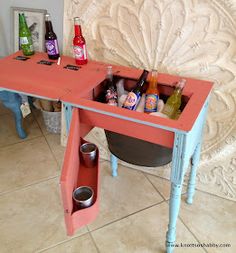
point(77, 20)
point(181, 83)
point(109, 71)
point(47, 16)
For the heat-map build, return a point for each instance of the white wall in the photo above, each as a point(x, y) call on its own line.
point(54, 7)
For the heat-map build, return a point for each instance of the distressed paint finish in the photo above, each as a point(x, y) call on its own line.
point(173, 215)
point(187, 38)
point(182, 134)
point(192, 177)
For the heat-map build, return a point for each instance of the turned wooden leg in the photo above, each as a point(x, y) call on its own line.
point(114, 165)
point(68, 116)
point(175, 199)
point(13, 102)
point(193, 173)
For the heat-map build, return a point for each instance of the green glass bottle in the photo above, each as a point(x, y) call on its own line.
point(173, 103)
point(26, 43)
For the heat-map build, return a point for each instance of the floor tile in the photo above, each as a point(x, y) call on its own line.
point(8, 134)
point(143, 232)
point(81, 244)
point(129, 192)
point(212, 220)
point(163, 186)
point(54, 142)
point(26, 163)
point(31, 219)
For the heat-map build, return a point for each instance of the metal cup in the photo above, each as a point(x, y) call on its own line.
point(83, 196)
point(88, 154)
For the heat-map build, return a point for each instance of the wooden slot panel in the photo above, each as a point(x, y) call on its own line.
point(75, 174)
point(147, 133)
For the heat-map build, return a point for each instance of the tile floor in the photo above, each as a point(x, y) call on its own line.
point(133, 211)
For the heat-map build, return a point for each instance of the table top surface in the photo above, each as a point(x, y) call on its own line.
point(57, 83)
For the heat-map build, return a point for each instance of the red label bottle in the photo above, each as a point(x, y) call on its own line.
point(79, 44)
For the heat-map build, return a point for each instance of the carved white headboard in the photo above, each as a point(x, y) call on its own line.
point(191, 38)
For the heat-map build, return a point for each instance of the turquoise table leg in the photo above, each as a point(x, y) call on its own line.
point(68, 115)
point(179, 164)
point(114, 165)
point(12, 101)
point(192, 177)
point(173, 215)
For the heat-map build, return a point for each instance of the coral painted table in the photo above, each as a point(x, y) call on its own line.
point(79, 90)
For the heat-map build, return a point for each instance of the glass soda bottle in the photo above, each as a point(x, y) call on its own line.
point(152, 94)
point(51, 40)
point(173, 103)
point(111, 93)
point(79, 44)
point(134, 96)
point(26, 43)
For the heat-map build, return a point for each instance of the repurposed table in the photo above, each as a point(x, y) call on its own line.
point(79, 90)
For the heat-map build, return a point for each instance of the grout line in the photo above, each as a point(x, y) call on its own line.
point(36, 117)
point(54, 156)
point(29, 185)
point(192, 233)
point(163, 178)
point(153, 186)
point(214, 195)
point(44, 135)
point(61, 242)
point(91, 236)
point(167, 181)
point(126, 216)
point(21, 142)
point(26, 139)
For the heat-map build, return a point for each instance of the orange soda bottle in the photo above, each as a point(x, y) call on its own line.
point(152, 94)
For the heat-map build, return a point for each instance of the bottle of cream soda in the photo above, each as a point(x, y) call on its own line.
point(79, 44)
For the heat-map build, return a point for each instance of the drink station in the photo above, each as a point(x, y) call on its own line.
point(80, 89)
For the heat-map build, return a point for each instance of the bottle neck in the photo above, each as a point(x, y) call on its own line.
point(178, 90)
point(78, 31)
point(142, 79)
point(153, 80)
point(109, 76)
point(49, 27)
point(179, 87)
point(22, 20)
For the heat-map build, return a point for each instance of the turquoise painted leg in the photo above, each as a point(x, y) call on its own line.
point(173, 215)
point(114, 165)
point(13, 102)
point(68, 115)
point(179, 163)
point(192, 177)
